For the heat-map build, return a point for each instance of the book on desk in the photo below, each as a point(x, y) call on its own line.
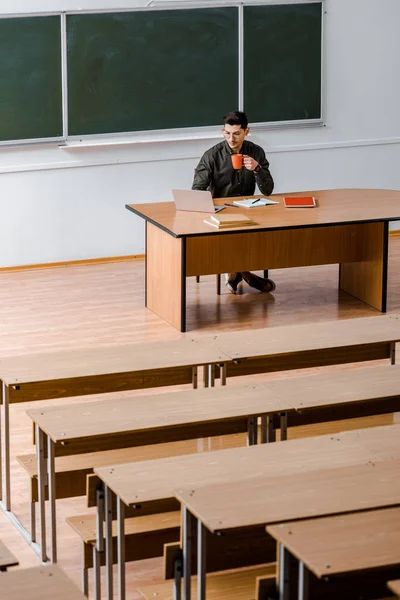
point(299, 202)
point(254, 202)
point(228, 220)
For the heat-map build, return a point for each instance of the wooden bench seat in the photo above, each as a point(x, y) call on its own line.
point(38, 583)
point(238, 584)
point(144, 536)
point(71, 471)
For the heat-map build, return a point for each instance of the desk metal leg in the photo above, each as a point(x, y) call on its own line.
point(96, 574)
point(187, 551)
point(201, 561)
point(109, 542)
point(33, 521)
point(52, 498)
point(1, 442)
point(85, 582)
point(222, 373)
point(98, 548)
point(211, 375)
point(41, 466)
point(252, 431)
point(7, 473)
point(393, 353)
point(303, 581)
point(121, 548)
point(195, 377)
point(178, 579)
point(283, 420)
point(283, 573)
point(267, 429)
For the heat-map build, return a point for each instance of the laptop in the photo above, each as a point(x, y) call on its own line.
point(195, 201)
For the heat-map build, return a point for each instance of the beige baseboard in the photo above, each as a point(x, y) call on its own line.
point(74, 263)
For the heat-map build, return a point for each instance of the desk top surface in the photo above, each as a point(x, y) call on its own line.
point(158, 411)
point(86, 362)
point(343, 544)
point(267, 500)
point(338, 387)
point(333, 207)
point(273, 341)
point(157, 479)
point(174, 409)
point(39, 583)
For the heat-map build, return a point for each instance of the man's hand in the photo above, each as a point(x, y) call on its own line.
point(250, 163)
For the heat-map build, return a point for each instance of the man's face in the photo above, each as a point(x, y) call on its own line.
point(234, 135)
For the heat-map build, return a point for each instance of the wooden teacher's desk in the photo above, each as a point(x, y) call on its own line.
point(348, 227)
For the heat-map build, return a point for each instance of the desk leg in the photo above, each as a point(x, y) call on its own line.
point(187, 551)
point(98, 548)
point(201, 561)
point(6, 432)
point(166, 276)
point(177, 579)
point(222, 373)
point(303, 582)
point(109, 542)
point(96, 574)
point(1, 441)
point(367, 278)
point(41, 467)
point(52, 498)
point(283, 423)
point(268, 433)
point(283, 573)
point(121, 548)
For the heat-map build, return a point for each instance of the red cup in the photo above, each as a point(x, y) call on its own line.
point(237, 161)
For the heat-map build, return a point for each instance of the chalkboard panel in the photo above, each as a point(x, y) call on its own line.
point(282, 62)
point(30, 78)
point(151, 70)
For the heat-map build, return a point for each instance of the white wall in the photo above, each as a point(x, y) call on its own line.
point(67, 204)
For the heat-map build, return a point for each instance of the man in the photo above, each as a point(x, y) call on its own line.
point(215, 172)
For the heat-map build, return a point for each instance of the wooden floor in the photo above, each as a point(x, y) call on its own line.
point(87, 306)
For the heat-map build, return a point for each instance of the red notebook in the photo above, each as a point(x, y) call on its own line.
point(300, 202)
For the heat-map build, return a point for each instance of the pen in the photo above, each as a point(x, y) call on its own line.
point(255, 201)
point(234, 205)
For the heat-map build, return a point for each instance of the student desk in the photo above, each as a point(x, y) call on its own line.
point(246, 504)
point(152, 482)
point(128, 422)
point(332, 548)
point(348, 227)
point(92, 371)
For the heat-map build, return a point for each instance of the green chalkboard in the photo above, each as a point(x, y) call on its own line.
point(282, 62)
point(148, 70)
point(30, 78)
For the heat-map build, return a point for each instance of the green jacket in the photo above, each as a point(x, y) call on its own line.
point(215, 172)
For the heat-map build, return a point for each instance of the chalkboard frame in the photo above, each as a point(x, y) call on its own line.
point(163, 135)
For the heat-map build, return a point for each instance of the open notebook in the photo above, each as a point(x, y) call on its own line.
point(254, 202)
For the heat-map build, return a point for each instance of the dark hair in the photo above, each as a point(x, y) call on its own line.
point(236, 118)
